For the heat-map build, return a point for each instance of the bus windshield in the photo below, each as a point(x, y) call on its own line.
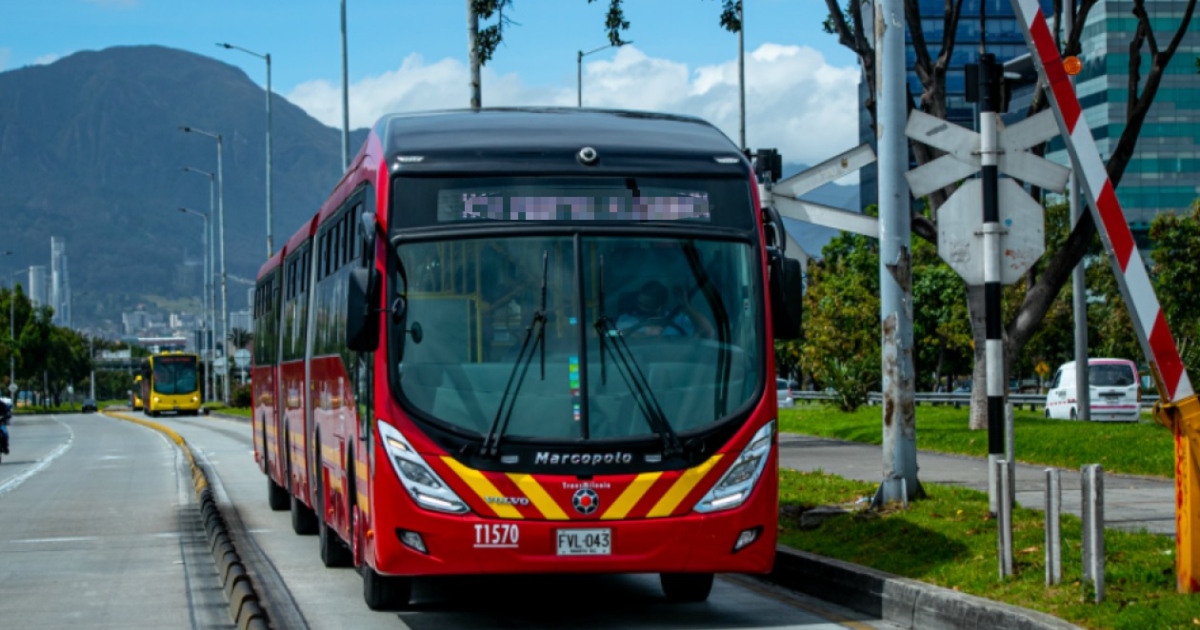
point(175, 375)
point(578, 336)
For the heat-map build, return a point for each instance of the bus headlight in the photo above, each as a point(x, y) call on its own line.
point(738, 482)
point(419, 480)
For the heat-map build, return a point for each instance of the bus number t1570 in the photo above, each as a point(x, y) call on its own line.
point(497, 535)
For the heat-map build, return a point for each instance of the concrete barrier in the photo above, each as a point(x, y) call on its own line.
point(244, 607)
point(901, 601)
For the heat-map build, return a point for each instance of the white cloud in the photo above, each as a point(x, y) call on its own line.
point(46, 60)
point(795, 101)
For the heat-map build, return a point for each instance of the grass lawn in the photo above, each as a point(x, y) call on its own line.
point(244, 412)
point(1137, 448)
point(949, 539)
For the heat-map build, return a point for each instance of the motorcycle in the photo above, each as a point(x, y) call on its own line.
point(5, 418)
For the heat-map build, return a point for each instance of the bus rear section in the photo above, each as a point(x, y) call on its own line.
point(572, 365)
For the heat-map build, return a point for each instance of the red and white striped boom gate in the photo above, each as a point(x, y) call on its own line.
point(1179, 408)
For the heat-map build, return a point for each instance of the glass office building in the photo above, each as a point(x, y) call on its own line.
point(990, 21)
point(1164, 174)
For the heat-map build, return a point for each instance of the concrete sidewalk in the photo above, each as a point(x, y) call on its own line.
point(1130, 503)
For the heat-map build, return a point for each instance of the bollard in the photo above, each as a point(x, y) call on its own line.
point(1004, 523)
point(1053, 529)
point(1092, 485)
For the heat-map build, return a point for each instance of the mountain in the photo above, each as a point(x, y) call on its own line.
point(90, 151)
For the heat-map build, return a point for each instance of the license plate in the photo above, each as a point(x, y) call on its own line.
point(584, 542)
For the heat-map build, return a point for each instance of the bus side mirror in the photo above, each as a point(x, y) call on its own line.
point(362, 325)
point(787, 296)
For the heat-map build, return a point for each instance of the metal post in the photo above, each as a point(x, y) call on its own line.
point(994, 350)
point(741, 77)
point(579, 78)
point(224, 284)
point(1083, 399)
point(1092, 485)
point(1003, 470)
point(346, 96)
point(12, 334)
point(270, 198)
point(473, 54)
point(265, 57)
point(895, 270)
point(92, 362)
point(210, 312)
point(1053, 509)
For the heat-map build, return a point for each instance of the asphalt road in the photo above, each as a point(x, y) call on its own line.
point(301, 593)
point(98, 529)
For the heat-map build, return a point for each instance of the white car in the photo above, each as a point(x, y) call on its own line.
point(1114, 394)
point(783, 390)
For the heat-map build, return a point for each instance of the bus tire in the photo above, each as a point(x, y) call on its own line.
point(334, 551)
point(686, 587)
point(385, 592)
point(304, 519)
point(277, 497)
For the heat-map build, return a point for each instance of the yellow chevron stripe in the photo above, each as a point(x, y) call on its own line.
point(682, 487)
point(537, 495)
point(632, 494)
point(482, 487)
point(363, 501)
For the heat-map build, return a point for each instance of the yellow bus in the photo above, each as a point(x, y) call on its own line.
point(135, 394)
point(171, 383)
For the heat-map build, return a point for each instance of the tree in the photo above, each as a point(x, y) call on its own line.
point(1045, 281)
point(240, 338)
point(1176, 270)
point(843, 292)
point(490, 37)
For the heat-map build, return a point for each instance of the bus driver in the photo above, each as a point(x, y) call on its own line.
point(650, 315)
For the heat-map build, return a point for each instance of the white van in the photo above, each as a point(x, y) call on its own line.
point(1114, 391)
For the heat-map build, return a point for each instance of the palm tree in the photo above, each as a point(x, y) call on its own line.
point(240, 338)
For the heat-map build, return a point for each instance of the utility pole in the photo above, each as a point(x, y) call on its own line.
point(895, 261)
point(1083, 404)
point(345, 100)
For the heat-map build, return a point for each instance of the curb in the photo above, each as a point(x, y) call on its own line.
point(244, 607)
point(902, 601)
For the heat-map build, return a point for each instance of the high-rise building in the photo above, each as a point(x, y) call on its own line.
point(60, 284)
point(37, 285)
point(1164, 174)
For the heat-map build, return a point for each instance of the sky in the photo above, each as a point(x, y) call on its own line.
point(409, 55)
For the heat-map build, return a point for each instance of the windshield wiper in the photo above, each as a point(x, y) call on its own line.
point(638, 385)
point(721, 326)
point(491, 442)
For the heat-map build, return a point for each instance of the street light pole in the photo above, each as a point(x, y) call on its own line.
point(12, 331)
point(204, 328)
point(579, 69)
point(270, 204)
point(345, 96)
point(221, 238)
point(210, 312)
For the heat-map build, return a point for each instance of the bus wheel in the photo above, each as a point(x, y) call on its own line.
point(277, 497)
point(385, 592)
point(304, 520)
point(686, 587)
point(334, 552)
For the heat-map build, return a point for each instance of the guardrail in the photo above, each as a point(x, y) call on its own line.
point(957, 399)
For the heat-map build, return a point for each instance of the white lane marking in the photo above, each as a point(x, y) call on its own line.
point(37, 541)
point(11, 484)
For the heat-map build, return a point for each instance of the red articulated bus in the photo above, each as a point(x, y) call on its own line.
point(529, 341)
